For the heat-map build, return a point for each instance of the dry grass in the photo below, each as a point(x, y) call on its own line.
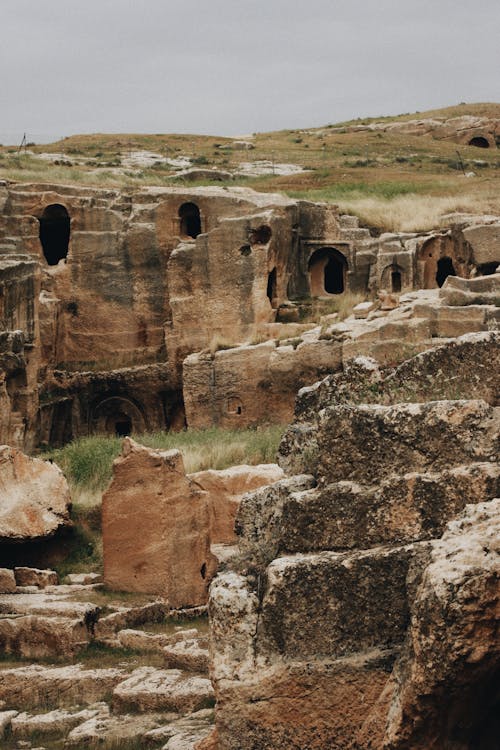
point(415, 213)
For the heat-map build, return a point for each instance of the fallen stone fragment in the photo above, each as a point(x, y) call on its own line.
point(190, 655)
point(142, 641)
point(111, 730)
point(7, 581)
point(38, 687)
point(59, 721)
point(34, 497)
point(150, 689)
point(5, 721)
point(36, 577)
point(83, 579)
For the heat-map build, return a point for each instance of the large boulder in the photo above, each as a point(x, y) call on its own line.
point(226, 488)
point(34, 497)
point(155, 525)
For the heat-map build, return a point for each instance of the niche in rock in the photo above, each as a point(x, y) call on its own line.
point(272, 288)
point(444, 269)
point(479, 142)
point(328, 272)
point(54, 233)
point(190, 220)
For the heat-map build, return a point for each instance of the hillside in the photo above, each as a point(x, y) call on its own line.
point(392, 180)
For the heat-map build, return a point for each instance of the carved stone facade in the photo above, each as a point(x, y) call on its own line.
point(104, 293)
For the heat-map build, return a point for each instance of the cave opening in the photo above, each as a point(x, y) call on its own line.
point(272, 288)
point(123, 425)
point(190, 220)
point(396, 281)
point(445, 268)
point(334, 276)
point(54, 233)
point(479, 142)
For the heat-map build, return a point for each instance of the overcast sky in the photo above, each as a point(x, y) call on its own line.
point(232, 67)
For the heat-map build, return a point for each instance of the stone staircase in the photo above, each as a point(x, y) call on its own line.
point(109, 673)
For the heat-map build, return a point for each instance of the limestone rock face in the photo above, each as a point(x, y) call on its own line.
point(225, 489)
point(7, 581)
point(445, 680)
point(34, 497)
point(155, 524)
point(346, 621)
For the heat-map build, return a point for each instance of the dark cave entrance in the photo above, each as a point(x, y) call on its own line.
point(444, 269)
point(272, 288)
point(479, 142)
point(334, 276)
point(396, 281)
point(190, 220)
point(123, 425)
point(54, 233)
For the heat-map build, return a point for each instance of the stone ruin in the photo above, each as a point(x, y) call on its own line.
point(106, 295)
point(356, 600)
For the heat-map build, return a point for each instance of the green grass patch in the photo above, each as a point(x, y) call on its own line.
point(87, 462)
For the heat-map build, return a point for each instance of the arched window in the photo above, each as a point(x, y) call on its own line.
point(54, 233)
point(328, 272)
point(444, 269)
point(190, 221)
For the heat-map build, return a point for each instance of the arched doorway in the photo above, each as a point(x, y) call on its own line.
point(396, 281)
point(327, 272)
point(190, 220)
point(54, 233)
point(479, 141)
point(444, 269)
point(272, 288)
point(117, 416)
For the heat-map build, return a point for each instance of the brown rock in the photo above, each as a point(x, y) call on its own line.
point(36, 577)
point(34, 497)
point(156, 528)
point(225, 488)
point(7, 581)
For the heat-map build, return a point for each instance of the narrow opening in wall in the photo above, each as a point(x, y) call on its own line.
point(396, 281)
point(54, 233)
point(123, 426)
point(190, 220)
point(444, 269)
point(272, 288)
point(334, 276)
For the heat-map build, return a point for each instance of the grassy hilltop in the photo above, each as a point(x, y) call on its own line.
point(392, 181)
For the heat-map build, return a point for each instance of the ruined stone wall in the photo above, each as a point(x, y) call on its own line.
point(311, 642)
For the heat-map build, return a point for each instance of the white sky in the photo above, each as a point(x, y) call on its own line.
point(232, 67)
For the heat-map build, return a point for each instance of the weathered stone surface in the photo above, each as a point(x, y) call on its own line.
point(485, 241)
point(83, 579)
point(36, 577)
point(156, 528)
point(34, 497)
point(427, 437)
point(150, 689)
point(225, 489)
point(60, 721)
point(39, 687)
point(111, 730)
point(7, 581)
point(5, 720)
point(142, 641)
point(190, 655)
point(36, 636)
point(404, 509)
point(452, 641)
point(483, 290)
